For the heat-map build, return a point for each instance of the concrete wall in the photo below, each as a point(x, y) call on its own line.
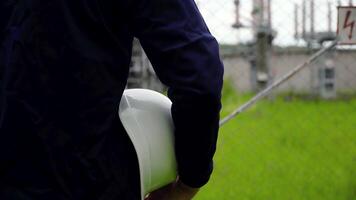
point(237, 69)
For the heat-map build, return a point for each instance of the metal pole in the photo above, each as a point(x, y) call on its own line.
point(296, 21)
point(312, 19)
point(269, 13)
point(330, 14)
point(277, 83)
point(304, 19)
point(237, 23)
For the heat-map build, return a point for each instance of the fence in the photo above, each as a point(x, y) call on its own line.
point(296, 35)
point(300, 143)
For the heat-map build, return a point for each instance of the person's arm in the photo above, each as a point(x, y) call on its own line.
point(185, 57)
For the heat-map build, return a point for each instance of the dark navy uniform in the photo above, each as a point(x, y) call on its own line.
point(63, 68)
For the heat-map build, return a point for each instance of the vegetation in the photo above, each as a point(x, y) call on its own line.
point(285, 148)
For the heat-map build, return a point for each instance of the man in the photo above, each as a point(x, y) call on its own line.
point(64, 66)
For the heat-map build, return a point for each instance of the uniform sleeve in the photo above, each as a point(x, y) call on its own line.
point(2, 21)
point(185, 57)
point(6, 7)
point(5, 12)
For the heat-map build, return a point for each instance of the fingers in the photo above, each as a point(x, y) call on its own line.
point(174, 191)
point(162, 193)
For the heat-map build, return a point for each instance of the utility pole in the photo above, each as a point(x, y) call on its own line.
point(262, 45)
point(263, 37)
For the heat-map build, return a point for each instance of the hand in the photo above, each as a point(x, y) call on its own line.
point(174, 191)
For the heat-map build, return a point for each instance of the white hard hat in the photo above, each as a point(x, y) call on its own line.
point(146, 117)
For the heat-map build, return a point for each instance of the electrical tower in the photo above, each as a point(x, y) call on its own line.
point(262, 45)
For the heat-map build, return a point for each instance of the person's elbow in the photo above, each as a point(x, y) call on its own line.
point(211, 83)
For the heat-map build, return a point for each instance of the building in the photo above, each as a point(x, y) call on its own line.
point(332, 74)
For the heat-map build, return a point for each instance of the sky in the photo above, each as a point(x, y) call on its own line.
point(220, 15)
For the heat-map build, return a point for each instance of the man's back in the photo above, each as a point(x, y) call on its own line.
point(64, 67)
point(65, 71)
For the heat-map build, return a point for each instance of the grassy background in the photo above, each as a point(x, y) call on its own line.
point(285, 149)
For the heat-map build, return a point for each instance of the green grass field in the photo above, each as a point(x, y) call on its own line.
point(288, 150)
